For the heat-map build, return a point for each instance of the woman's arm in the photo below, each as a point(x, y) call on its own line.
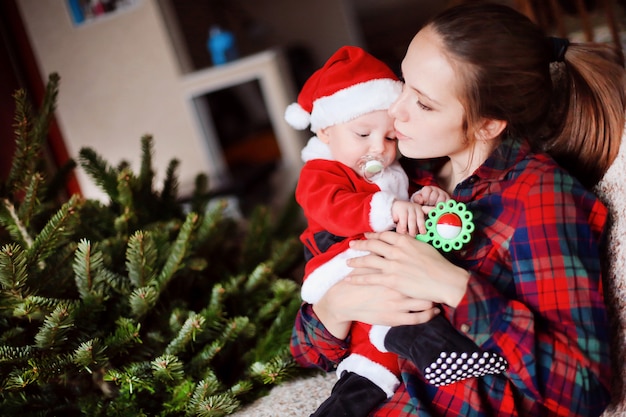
point(553, 329)
point(536, 298)
point(320, 329)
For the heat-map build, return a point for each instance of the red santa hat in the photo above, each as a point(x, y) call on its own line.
point(350, 84)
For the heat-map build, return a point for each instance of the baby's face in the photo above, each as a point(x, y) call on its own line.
point(371, 134)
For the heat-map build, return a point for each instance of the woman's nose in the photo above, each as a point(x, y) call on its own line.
point(395, 110)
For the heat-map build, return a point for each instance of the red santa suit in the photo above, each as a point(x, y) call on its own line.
point(340, 205)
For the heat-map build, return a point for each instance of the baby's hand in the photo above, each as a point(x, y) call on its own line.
point(429, 196)
point(409, 217)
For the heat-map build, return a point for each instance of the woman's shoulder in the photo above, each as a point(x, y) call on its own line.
point(538, 179)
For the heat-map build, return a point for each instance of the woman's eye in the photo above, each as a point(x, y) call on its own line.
point(390, 138)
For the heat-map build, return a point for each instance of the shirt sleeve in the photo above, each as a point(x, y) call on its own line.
point(552, 327)
point(312, 346)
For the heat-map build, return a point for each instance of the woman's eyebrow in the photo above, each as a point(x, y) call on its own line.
point(420, 92)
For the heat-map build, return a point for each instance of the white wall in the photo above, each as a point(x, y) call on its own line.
point(121, 79)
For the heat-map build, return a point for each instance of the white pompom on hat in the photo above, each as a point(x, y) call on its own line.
point(350, 84)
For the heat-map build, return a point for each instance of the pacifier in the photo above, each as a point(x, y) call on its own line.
point(371, 165)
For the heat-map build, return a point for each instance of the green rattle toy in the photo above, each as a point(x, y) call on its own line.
point(448, 226)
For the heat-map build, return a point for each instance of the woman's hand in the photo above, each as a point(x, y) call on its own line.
point(346, 302)
point(406, 265)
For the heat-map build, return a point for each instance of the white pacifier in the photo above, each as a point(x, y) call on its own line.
point(371, 166)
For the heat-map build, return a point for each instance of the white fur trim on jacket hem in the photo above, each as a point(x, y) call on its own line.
point(375, 372)
point(377, 336)
point(327, 275)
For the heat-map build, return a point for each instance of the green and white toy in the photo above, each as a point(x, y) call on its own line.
point(449, 226)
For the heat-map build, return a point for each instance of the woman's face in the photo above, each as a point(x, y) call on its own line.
point(428, 115)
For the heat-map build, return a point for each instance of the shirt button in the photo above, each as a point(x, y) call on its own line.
point(465, 327)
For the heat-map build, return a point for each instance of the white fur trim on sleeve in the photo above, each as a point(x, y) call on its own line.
point(380, 211)
point(371, 370)
point(327, 275)
point(377, 336)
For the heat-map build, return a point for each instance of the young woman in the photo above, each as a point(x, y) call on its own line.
point(518, 126)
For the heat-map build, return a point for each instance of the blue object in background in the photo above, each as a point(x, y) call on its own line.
point(221, 46)
point(76, 10)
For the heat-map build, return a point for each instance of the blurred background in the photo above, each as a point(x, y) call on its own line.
point(135, 67)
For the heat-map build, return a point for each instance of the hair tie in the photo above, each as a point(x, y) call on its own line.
point(558, 46)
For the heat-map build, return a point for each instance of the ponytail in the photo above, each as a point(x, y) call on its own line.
point(589, 99)
point(566, 99)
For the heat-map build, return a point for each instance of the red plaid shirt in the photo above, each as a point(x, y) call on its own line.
point(534, 296)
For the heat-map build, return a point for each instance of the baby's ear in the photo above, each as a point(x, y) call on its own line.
point(491, 129)
point(323, 135)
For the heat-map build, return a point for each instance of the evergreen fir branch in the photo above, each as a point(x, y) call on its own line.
point(131, 379)
point(260, 276)
point(48, 368)
point(178, 402)
point(285, 254)
point(56, 326)
point(167, 368)
point(257, 242)
point(187, 334)
point(117, 283)
point(22, 125)
point(216, 303)
point(217, 406)
point(15, 354)
point(201, 361)
point(126, 220)
point(103, 175)
point(46, 112)
point(87, 266)
point(56, 186)
point(277, 334)
point(212, 224)
point(125, 337)
point(12, 223)
point(90, 355)
point(141, 257)
point(283, 290)
point(236, 327)
point(30, 133)
point(206, 387)
point(142, 300)
point(177, 318)
point(169, 192)
point(31, 204)
point(276, 370)
point(241, 388)
point(13, 275)
point(199, 201)
point(35, 308)
point(146, 173)
point(54, 233)
point(178, 251)
point(18, 380)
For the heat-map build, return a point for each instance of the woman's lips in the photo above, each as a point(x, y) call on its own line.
point(401, 136)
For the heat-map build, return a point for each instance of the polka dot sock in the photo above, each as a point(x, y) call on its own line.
point(442, 353)
point(454, 366)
